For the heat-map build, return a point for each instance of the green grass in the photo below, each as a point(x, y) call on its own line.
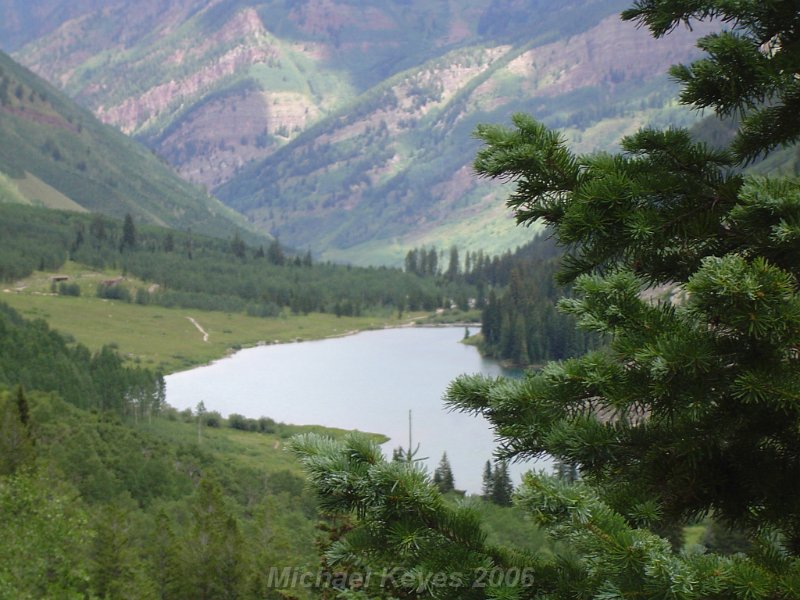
point(453, 316)
point(476, 339)
point(260, 451)
point(10, 192)
point(164, 338)
point(41, 194)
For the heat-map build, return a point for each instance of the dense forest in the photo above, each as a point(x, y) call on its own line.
point(515, 290)
point(517, 294)
point(522, 323)
point(196, 271)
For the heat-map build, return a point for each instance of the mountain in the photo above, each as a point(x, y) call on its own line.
point(345, 125)
point(56, 154)
point(393, 168)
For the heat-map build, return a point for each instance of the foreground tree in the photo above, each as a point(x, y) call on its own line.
point(694, 406)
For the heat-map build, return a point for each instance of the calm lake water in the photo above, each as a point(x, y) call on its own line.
point(368, 381)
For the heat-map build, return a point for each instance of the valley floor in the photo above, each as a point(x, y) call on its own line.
point(171, 339)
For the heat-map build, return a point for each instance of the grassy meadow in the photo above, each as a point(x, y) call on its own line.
point(165, 338)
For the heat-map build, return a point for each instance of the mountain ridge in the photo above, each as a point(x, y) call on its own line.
point(57, 154)
point(253, 99)
point(411, 139)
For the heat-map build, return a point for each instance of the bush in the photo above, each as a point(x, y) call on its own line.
point(69, 289)
point(212, 419)
point(240, 422)
point(113, 292)
point(267, 425)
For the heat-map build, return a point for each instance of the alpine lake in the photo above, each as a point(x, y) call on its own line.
point(371, 381)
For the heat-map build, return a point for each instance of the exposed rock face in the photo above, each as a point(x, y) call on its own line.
point(211, 143)
point(400, 160)
point(339, 122)
point(248, 45)
point(63, 35)
point(136, 113)
point(609, 54)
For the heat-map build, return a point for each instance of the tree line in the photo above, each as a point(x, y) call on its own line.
point(513, 289)
point(524, 325)
point(517, 295)
point(195, 271)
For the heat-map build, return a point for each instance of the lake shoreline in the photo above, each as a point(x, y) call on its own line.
point(230, 352)
point(366, 382)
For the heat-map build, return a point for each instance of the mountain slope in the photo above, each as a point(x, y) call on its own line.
point(57, 154)
point(213, 85)
point(392, 170)
point(345, 125)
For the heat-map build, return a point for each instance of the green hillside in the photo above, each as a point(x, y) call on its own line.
point(107, 492)
point(56, 154)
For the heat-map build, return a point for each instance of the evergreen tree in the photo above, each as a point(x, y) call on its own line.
point(566, 471)
point(169, 242)
point(693, 406)
point(79, 238)
point(399, 454)
point(431, 263)
point(116, 569)
point(23, 409)
point(488, 481)
point(453, 266)
point(411, 265)
point(275, 253)
point(238, 247)
point(165, 558)
point(443, 476)
point(502, 488)
point(128, 234)
point(16, 442)
point(751, 67)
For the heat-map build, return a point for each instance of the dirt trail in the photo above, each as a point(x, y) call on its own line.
point(199, 328)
